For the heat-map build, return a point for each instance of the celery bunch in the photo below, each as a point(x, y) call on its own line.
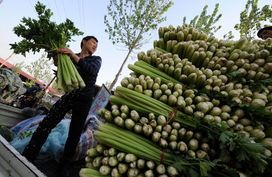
point(127, 141)
point(68, 77)
point(43, 34)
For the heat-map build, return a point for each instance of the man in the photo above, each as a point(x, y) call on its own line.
point(265, 32)
point(78, 100)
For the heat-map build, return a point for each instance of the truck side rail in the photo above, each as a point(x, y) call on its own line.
point(13, 164)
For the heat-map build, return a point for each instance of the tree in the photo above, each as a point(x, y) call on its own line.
point(252, 18)
point(128, 22)
point(18, 67)
point(205, 22)
point(40, 69)
point(228, 36)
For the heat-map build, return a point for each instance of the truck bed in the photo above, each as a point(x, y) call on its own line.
point(13, 164)
point(10, 116)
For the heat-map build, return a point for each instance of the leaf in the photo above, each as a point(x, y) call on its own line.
point(233, 75)
point(36, 36)
point(223, 170)
point(193, 173)
point(244, 150)
point(242, 156)
point(205, 22)
point(205, 167)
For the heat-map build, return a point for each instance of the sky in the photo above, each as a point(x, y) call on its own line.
point(88, 16)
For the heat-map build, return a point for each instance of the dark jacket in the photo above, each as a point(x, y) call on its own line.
point(88, 68)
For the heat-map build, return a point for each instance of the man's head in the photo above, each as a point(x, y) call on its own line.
point(265, 32)
point(89, 43)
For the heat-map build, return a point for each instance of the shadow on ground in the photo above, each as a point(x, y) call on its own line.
point(49, 168)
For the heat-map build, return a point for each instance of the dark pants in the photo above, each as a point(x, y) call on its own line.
point(76, 101)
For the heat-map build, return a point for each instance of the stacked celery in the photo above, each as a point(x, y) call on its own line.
point(195, 104)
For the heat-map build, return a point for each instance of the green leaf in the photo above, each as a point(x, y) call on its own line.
point(205, 167)
point(36, 35)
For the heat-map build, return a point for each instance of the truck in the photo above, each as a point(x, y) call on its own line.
point(12, 163)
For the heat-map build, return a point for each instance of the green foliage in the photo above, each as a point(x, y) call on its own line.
point(206, 22)
point(129, 23)
point(252, 18)
point(228, 36)
point(40, 69)
point(244, 150)
point(17, 67)
point(49, 36)
point(194, 167)
point(42, 33)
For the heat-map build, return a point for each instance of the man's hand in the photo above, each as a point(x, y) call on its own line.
point(68, 52)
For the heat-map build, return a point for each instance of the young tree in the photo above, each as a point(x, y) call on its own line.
point(18, 66)
point(128, 22)
point(40, 69)
point(206, 22)
point(228, 36)
point(252, 18)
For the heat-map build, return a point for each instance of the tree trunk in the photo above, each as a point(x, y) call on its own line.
point(120, 70)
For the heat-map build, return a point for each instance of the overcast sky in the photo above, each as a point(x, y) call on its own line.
point(88, 16)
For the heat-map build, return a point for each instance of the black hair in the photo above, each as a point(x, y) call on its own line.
point(86, 38)
point(263, 29)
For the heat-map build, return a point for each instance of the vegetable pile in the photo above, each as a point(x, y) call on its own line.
point(43, 34)
point(194, 106)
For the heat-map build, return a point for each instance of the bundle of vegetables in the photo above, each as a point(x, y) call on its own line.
point(172, 136)
point(132, 155)
point(191, 101)
point(185, 103)
point(43, 34)
point(110, 161)
point(197, 98)
point(249, 58)
point(207, 81)
point(215, 131)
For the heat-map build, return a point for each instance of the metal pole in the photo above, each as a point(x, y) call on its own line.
point(6, 58)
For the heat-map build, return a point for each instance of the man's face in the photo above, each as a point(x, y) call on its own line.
point(90, 45)
point(266, 34)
